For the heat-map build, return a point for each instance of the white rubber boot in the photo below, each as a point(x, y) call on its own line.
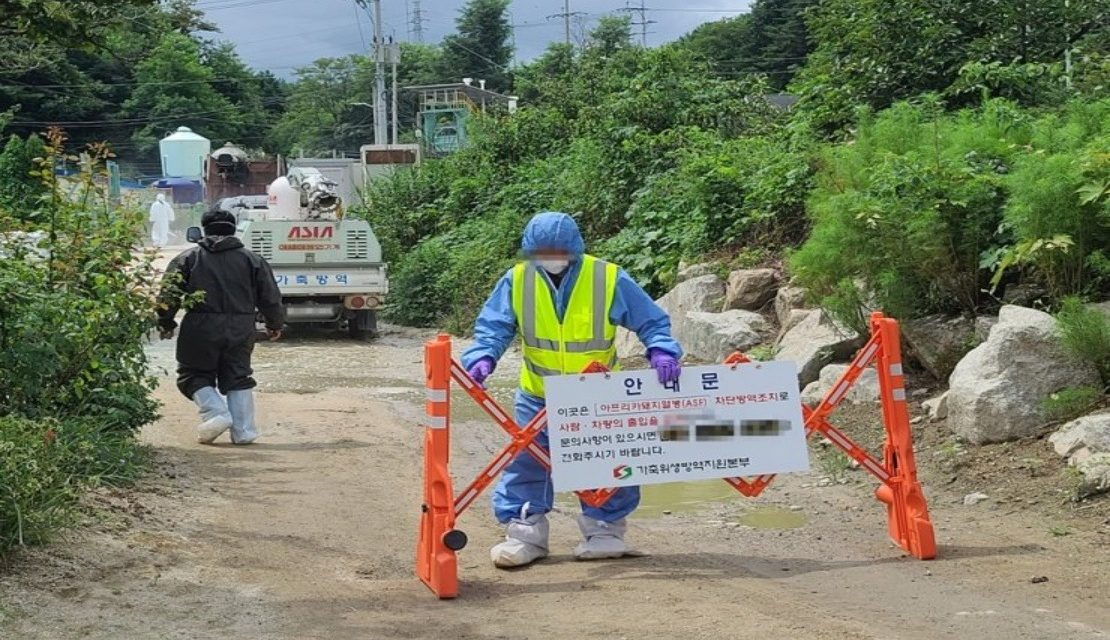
point(214, 417)
point(601, 539)
point(525, 542)
point(241, 406)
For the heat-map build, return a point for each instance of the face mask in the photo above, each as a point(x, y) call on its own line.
point(553, 266)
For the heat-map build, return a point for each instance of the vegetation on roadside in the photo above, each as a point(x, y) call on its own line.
point(76, 302)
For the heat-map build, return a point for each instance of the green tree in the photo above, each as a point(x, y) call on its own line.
point(19, 189)
point(611, 34)
point(481, 48)
point(321, 113)
point(875, 52)
point(33, 33)
point(772, 40)
point(243, 89)
point(175, 89)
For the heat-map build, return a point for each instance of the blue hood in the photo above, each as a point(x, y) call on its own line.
point(552, 230)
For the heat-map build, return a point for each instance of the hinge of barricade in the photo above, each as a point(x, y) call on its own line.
point(439, 540)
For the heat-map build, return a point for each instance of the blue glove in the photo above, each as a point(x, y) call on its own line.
point(665, 364)
point(481, 370)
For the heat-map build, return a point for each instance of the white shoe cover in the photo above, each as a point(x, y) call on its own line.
point(525, 542)
point(602, 540)
point(241, 405)
point(214, 416)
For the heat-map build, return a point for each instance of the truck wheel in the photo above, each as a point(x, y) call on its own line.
point(364, 325)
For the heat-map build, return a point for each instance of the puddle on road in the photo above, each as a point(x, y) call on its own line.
point(683, 497)
point(773, 518)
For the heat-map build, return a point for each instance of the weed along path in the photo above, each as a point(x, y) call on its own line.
point(310, 534)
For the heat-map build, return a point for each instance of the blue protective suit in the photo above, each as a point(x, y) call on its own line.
point(525, 486)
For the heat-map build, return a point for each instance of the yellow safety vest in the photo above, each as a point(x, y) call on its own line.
point(585, 335)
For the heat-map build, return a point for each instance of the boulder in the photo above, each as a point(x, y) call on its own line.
point(712, 336)
point(787, 300)
point(937, 407)
point(702, 293)
point(1084, 437)
point(1101, 307)
point(939, 341)
point(813, 342)
point(1095, 475)
point(983, 326)
point(793, 318)
point(691, 271)
point(750, 289)
point(866, 388)
point(996, 391)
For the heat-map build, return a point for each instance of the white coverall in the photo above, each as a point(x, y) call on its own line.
point(161, 215)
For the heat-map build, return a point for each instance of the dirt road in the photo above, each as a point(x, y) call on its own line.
point(310, 534)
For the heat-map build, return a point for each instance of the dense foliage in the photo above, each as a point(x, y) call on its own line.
point(656, 157)
point(75, 307)
point(935, 204)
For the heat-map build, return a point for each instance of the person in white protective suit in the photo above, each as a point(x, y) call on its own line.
point(161, 215)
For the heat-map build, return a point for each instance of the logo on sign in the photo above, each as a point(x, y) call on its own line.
point(622, 472)
point(311, 233)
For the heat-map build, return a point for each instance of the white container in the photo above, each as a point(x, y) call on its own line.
point(284, 201)
point(183, 154)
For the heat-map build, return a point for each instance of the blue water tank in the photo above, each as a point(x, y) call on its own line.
point(183, 154)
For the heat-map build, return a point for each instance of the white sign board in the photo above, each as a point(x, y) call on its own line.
point(624, 428)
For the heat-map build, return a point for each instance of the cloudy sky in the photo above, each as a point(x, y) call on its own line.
point(282, 34)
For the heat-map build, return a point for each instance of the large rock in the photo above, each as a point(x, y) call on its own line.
point(787, 300)
point(1095, 475)
point(703, 293)
point(815, 341)
point(938, 342)
point(865, 389)
point(996, 391)
point(712, 336)
point(750, 289)
point(937, 407)
point(1084, 437)
point(983, 326)
point(792, 319)
point(691, 271)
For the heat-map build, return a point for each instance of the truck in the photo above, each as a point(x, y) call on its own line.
point(328, 267)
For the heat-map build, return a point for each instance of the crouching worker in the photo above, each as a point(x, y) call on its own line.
point(566, 306)
point(217, 333)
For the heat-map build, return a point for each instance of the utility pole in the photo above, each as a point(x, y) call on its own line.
point(394, 60)
point(380, 131)
point(381, 127)
point(566, 15)
point(643, 22)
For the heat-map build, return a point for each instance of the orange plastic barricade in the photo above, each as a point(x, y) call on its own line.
point(436, 561)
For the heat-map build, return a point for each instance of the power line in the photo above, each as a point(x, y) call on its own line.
point(643, 21)
point(566, 15)
point(417, 21)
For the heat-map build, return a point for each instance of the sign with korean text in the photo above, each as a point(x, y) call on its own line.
point(624, 428)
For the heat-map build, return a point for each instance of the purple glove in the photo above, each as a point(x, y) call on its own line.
point(665, 365)
point(481, 370)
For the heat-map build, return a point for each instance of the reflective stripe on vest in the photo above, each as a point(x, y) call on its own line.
point(584, 336)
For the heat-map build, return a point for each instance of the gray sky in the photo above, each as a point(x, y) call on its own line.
point(282, 34)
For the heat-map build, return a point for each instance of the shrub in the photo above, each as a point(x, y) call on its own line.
point(74, 311)
point(1070, 403)
point(722, 196)
point(76, 303)
point(1059, 205)
point(904, 214)
point(46, 464)
point(1085, 332)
